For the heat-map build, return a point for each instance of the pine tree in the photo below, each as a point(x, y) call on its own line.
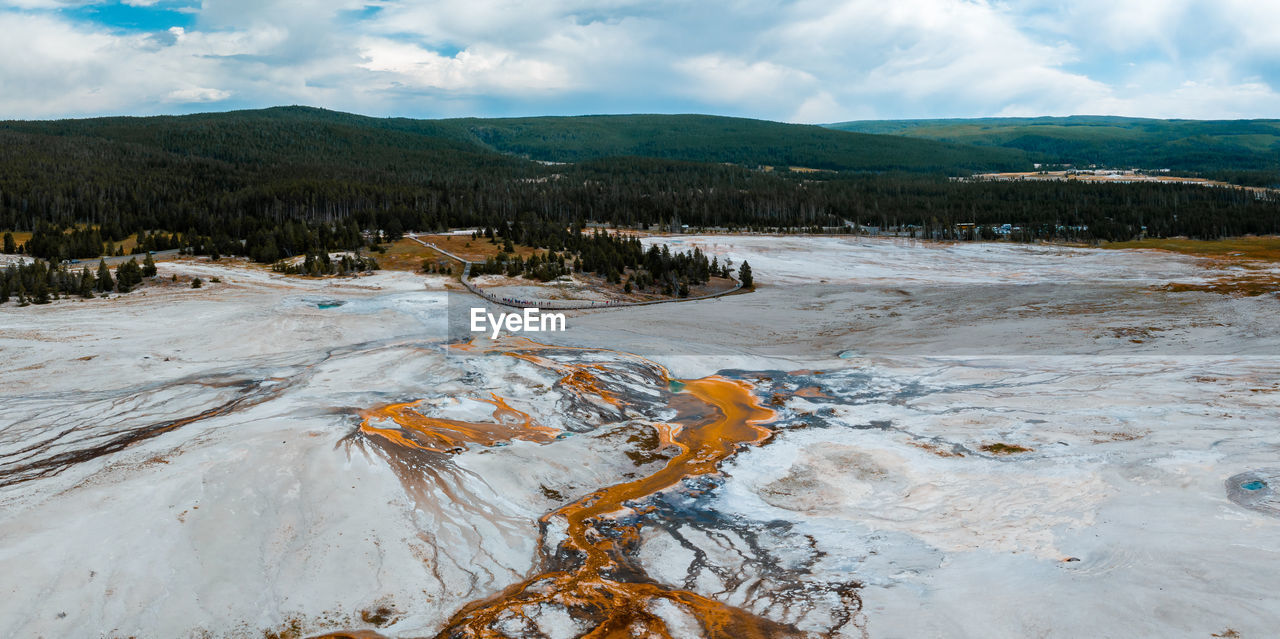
point(393, 231)
point(105, 283)
point(744, 274)
point(9, 245)
point(40, 291)
point(86, 283)
point(128, 275)
point(149, 267)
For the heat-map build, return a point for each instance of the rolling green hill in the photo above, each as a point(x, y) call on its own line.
point(704, 138)
point(1247, 150)
point(302, 135)
point(278, 182)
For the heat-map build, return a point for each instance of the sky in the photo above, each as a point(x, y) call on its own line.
point(794, 61)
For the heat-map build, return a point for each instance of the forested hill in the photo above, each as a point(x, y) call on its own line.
point(288, 181)
point(705, 138)
point(1241, 151)
point(279, 137)
point(303, 135)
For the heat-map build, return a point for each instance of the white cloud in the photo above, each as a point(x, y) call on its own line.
point(823, 107)
point(800, 60)
point(915, 58)
point(50, 67)
point(1195, 100)
point(717, 80)
point(197, 94)
point(481, 68)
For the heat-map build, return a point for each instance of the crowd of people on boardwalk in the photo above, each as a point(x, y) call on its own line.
point(515, 301)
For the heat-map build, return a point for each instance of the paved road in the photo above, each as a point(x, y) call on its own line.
point(558, 305)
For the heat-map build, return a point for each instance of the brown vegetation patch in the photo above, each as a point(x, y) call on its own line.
point(475, 250)
point(128, 243)
point(1251, 259)
point(647, 445)
point(935, 449)
point(407, 255)
point(1000, 448)
point(19, 237)
point(1247, 286)
point(291, 629)
point(1236, 249)
point(380, 615)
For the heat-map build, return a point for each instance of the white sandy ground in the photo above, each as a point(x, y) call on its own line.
point(265, 516)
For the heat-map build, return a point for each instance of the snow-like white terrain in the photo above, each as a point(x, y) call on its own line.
point(965, 440)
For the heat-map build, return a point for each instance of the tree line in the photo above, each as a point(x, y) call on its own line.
point(40, 282)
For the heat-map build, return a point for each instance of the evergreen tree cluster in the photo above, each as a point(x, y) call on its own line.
point(40, 281)
point(316, 264)
point(49, 242)
point(614, 256)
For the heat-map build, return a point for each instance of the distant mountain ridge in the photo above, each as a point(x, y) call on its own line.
point(293, 134)
point(1246, 150)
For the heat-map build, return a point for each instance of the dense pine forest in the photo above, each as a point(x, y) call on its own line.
point(292, 181)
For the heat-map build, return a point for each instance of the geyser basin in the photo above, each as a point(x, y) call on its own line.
point(1253, 490)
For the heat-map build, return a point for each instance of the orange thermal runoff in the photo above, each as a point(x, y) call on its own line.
point(404, 425)
point(722, 416)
